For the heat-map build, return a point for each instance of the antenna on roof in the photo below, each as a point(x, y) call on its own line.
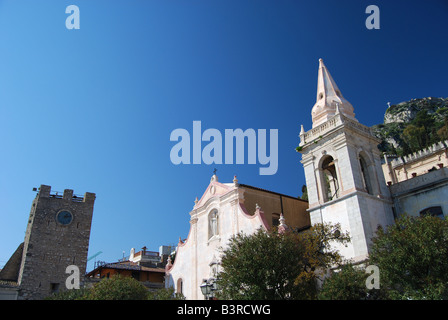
point(95, 255)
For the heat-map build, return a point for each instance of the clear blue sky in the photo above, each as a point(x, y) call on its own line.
point(92, 109)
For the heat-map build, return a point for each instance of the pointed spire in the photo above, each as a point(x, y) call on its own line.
point(329, 98)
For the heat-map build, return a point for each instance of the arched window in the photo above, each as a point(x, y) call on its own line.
point(330, 184)
point(179, 286)
point(366, 176)
point(433, 211)
point(213, 224)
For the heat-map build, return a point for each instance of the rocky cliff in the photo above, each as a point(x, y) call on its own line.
point(398, 117)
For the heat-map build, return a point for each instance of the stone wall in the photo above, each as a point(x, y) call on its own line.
point(50, 246)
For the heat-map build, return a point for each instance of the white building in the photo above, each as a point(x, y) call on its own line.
point(343, 170)
point(224, 210)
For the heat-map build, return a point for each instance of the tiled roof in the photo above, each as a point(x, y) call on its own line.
point(127, 266)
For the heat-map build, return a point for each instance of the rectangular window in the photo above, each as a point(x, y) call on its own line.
point(54, 287)
point(275, 219)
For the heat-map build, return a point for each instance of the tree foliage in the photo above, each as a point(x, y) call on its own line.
point(165, 294)
point(415, 137)
point(443, 131)
point(349, 283)
point(304, 193)
point(74, 294)
point(413, 125)
point(117, 288)
point(271, 265)
point(412, 257)
point(421, 132)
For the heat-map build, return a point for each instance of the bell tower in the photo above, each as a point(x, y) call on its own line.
point(343, 172)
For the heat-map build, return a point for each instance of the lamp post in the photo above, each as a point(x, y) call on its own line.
point(205, 289)
point(208, 288)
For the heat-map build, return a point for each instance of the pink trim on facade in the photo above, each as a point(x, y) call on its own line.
point(258, 214)
point(214, 183)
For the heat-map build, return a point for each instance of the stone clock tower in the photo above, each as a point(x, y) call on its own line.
point(57, 236)
point(344, 178)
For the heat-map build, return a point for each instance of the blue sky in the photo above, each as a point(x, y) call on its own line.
point(92, 109)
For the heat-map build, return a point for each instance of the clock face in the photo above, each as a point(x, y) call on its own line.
point(64, 217)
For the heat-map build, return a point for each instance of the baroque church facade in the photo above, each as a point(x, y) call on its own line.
point(347, 183)
point(224, 210)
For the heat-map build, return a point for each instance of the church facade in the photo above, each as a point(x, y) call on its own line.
point(224, 210)
point(347, 182)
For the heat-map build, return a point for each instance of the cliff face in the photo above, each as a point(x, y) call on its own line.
point(406, 111)
point(398, 117)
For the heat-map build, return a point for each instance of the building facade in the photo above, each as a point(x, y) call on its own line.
point(147, 267)
point(224, 210)
point(398, 169)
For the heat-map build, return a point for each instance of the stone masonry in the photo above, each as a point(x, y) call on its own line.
point(54, 241)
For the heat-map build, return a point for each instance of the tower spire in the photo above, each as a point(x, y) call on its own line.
point(329, 98)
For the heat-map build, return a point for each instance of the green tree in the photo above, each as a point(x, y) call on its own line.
point(421, 132)
point(415, 137)
point(349, 283)
point(443, 131)
point(268, 265)
point(118, 288)
point(304, 193)
point(165, 294)
point(74, 294)
point(412, 258)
